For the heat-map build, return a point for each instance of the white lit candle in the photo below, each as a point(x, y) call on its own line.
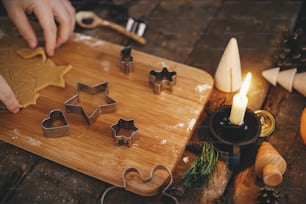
point(240, 102)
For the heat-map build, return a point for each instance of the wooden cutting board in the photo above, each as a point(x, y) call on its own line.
point(165, 122)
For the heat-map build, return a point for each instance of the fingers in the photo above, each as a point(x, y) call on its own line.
point(71, 11)
point(43, 12)
point(8, 97)
point(63, 12)
point(65, 16)
point(47, 12)
point(17, 15)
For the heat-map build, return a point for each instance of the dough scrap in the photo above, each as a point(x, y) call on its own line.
point(27, 70)
point(27, 53)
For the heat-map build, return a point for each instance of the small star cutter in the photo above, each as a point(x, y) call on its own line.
point(163, 79)
point(125, 132)
point(72, 104)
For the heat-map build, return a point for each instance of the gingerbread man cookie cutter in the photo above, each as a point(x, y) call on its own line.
point(145, 180)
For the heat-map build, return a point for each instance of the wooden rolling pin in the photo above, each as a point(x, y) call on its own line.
point(270, 165)
point(95, 21)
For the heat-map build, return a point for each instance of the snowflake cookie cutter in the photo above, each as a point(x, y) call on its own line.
point(125, 132)
point(56, 125)
point(163, 79)
point(72, 105)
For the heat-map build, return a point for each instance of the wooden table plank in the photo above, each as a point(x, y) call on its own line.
point(14, 166)
point(175, 28)
point(48, 182)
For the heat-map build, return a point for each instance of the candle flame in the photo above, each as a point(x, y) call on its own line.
point(246, 84)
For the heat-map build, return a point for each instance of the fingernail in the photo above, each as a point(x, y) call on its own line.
point(16, 110)
point(50, 52)
point(32, 43)
point(57, 44)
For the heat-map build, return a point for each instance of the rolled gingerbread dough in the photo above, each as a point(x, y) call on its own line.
point(27, 70)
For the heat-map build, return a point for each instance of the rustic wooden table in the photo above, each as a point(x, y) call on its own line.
point(194, 33)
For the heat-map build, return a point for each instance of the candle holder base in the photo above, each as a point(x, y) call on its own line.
point(230, 138)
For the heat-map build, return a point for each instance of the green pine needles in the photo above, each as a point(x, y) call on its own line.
point(202, 168)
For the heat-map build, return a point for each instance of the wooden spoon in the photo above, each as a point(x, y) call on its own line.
point(95, 21)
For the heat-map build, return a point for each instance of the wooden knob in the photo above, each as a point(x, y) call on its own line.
point(270, 165)
point(272, 175)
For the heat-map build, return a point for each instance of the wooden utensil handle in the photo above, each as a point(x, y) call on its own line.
point(129, 34)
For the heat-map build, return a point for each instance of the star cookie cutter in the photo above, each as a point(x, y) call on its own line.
point(126, 60)
point(162, 80)
point(145, 180)
point(56, 125)
point(125, 132)
point(72, 104)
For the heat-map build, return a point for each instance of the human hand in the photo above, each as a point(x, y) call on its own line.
point(8, 97)
point(48, 12)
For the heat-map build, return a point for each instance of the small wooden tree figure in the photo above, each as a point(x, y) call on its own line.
point(288, 79)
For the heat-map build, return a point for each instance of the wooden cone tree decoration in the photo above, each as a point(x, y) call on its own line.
point(271, 75)
point(288, 79)
point(299, 83)
point(285, 78)
point(228, 74)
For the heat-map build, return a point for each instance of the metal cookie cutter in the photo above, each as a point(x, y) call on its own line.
point(137, 26)
point(125, 132)
point(72, 104)
point(55, 125)
point(162, 79)
point(145, 180)
point(127, 60)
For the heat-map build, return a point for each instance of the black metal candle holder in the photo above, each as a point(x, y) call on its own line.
point(229, 137)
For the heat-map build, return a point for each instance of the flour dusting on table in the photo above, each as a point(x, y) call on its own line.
point(191, 124)
point(178, 125)
point(89, 40)
point(106, 65)
point(164, 141)
point(78, 37)
point(34, 142)
point(203, 87)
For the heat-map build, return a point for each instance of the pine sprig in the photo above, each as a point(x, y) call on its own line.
point(202, 168)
